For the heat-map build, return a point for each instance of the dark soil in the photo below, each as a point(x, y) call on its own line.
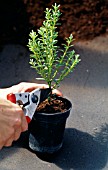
point(85, 19)
point(54, 106)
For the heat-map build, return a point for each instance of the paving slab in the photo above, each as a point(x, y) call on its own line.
point(85, 144)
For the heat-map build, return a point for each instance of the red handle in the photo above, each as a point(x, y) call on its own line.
point(11, 97)
point(28, 119)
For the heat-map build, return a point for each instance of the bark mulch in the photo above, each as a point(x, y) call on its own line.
point(85, 19)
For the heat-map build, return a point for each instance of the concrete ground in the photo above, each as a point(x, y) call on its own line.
point(86, 136)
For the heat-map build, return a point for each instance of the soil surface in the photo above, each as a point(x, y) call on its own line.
point(85, 19)
point(55, 105)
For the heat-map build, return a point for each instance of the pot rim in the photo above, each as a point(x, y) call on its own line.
point(57, 113)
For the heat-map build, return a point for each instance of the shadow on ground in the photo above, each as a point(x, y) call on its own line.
point(81, 151)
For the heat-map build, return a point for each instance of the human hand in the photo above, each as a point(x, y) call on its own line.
point(28, 87)
point(12, 122)
point(25, 87)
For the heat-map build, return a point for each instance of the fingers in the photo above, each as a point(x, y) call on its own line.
point(14, 137)
point(12, 122)
point(17, 134)
point(20, 122)
point(57, 92)
point(26, 86)
point(19, 125)
point(9, 142)
point(32, 86)
point(24, 125)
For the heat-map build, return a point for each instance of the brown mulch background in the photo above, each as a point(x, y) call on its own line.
point(85, 19)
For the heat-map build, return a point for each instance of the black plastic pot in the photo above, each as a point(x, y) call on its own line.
point(47, 130)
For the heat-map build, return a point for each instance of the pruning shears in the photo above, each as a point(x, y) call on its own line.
point(29, 100)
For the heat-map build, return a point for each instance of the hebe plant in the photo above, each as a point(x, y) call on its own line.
point(52, 67)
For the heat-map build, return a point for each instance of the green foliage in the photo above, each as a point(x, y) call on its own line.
point(45, 52)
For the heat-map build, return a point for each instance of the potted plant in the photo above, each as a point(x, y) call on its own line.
point(53, 65)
